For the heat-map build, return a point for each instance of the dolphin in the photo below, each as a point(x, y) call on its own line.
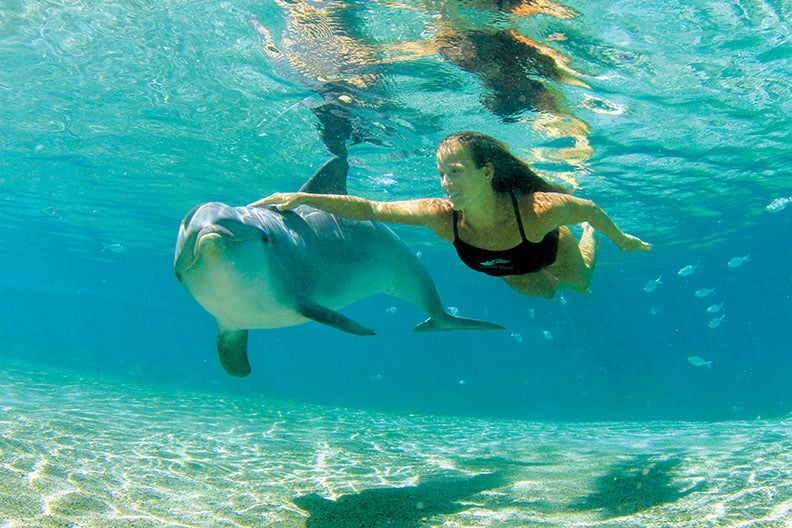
point(258, 268)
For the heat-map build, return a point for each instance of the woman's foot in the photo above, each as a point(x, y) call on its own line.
point(589, 244)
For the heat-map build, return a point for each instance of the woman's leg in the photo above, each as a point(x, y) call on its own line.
point(574, 265)
point(539, 284)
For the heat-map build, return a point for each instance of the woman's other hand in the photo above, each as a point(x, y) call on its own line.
point(631, 243)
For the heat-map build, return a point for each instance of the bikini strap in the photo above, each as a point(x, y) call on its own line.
point(456, 229)
point(516, 214)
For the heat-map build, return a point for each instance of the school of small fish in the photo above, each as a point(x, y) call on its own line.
point(716, 310)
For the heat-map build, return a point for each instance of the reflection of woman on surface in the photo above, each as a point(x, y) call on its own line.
point(502, 218)
point(519, 74)
point(483, 37)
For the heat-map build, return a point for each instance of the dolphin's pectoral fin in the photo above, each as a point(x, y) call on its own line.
point(329, 317)
point(232, 347)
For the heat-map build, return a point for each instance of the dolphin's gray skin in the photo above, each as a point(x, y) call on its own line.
point(257, 267)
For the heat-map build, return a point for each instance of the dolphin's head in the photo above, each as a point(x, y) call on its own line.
point(223, 256)
point(212, 230)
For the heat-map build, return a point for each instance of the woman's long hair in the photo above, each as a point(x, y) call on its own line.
point(511, 175)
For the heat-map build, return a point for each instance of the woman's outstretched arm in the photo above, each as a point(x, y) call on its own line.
point(422, 212)
point(562, 209)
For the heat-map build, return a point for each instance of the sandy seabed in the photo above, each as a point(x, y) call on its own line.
point(80, 452)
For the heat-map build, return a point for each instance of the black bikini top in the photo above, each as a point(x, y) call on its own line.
point(525, 257)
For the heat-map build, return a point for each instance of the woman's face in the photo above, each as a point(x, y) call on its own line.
point(463, 182)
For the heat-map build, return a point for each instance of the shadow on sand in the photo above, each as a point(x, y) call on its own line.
point(403, 507)
point(633, 486)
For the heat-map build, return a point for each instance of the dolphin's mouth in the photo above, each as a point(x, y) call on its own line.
point(213, 232)
point(206, 238)
point(207, 235)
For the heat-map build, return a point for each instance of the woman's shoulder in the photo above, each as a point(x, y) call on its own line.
point(543, 200)
point(544, 208)
point(437, 216)
point(537, 201)
point(437, 205)
point(437, 210)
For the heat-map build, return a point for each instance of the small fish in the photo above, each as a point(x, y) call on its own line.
point(114, 248)
point(704, 292)
point(699, 362)
point(779, 204)
point(453, 310)
point(547, 334)
point(736, 262)
point(562, 300)
point(688, 270)
point(391, 309)
point(517, 337)
point(462, 382)
point(715, 322)
point(714, 308)
point(652, 285)
point(653, 310)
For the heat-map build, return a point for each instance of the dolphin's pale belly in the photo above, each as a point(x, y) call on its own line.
point(237, 308)
point(237, 295)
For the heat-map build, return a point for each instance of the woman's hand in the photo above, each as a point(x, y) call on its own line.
point(282, 201)
point(631, 243)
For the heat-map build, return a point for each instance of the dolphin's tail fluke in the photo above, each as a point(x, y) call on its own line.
point(452, 322)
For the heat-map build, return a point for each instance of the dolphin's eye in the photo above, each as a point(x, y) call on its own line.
point(264, 238)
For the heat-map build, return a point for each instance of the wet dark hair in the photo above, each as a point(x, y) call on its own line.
point(511, 174)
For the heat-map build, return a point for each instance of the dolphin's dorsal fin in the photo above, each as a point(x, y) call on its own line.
point(331, 178)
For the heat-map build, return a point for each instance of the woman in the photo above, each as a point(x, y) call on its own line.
point(503, 219)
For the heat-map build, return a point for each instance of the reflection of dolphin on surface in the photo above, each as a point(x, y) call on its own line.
point(257, 267)
point(319, 44)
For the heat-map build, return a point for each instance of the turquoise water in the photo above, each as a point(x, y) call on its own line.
point(118, 118)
